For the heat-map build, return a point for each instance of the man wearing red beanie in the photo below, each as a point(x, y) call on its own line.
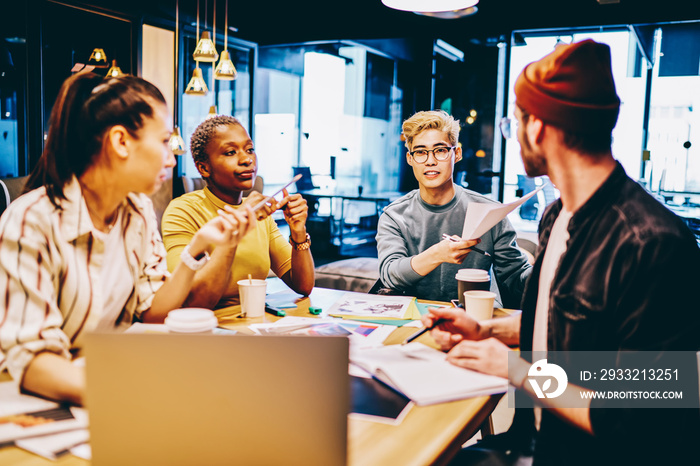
point(614, 265)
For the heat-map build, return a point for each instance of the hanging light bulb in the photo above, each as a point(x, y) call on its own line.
point(98, 59)
point(212, 112)
point(225, 69)
point(176, 143)
point(205, 51)
point(197, 86)
point(114, 71)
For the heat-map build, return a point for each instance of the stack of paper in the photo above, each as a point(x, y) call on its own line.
point(361, 334)
point(388, 310)
point(38, 425)
point(423, 373)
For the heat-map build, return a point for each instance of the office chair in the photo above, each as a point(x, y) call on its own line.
point(528, 210)
point(306, 182)
point(4, 197)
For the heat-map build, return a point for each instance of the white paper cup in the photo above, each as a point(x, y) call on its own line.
point(479, 304)
point(252, 294)
point(191, 320)
point(472, 279)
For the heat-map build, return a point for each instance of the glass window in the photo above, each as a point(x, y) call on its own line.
point(13, 76)
point(674, 117)
point(630, 81)
point(333, 107)
point(68, 49)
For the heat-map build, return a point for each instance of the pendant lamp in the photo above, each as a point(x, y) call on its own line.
point(225, 69)
point(205, 50)
point(98, 58)
point(428, 6)
point(452, 14)
point(197, 86)
point(114, 71)
point(176, 143)
point(212, 112)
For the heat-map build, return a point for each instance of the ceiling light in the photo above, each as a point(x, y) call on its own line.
point(176, 143)
point(98, 58)
point(114, 71)
point(225, 69)
point(452, 14)
point(205, 51)
point(197, 86)
point(428, 6)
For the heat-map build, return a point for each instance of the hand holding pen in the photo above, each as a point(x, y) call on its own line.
point(422, 331)
point(232, 223)
point(450, 325)
point(456, 239)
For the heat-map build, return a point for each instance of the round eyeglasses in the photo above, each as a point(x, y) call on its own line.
point(441, 153)
point(508, 126)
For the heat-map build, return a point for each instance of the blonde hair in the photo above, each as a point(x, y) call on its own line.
point(433, 119)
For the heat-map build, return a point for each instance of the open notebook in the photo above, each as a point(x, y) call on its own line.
point(424, 375)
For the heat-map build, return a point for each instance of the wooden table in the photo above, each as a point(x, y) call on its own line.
point(428, 434)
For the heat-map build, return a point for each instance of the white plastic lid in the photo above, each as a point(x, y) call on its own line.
point(474, 275)
point(191, 320)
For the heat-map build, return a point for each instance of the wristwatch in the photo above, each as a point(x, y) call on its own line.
point(191, 262)
point(303, 246)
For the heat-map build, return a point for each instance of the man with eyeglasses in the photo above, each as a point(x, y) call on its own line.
point(617, 272)
point(413, 256)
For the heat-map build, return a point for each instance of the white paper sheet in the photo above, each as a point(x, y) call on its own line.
point(55, 445)
point(424, 375)
point(15, 403)
point(481, 217)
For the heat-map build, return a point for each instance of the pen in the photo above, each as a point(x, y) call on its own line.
point(274, 311)
point(422, 331)
point(449, 238)
point(267, 199)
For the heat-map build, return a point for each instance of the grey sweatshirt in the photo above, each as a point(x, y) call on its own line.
point(409, 226)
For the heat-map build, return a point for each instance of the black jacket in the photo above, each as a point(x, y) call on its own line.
point(629, 280)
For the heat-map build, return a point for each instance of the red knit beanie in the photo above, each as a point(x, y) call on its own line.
point(571, 88)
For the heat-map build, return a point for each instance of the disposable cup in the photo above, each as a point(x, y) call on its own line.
point(471, 279)
point(479, 304)
point(191, 320)
point(252, 294)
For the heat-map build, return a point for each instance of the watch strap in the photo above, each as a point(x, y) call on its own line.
point(303, 246)
point(191, 262)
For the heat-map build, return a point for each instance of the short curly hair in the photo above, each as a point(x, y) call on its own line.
point(433, 119)
point(202, 135)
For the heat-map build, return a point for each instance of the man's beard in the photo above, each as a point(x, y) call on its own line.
point(535, 164)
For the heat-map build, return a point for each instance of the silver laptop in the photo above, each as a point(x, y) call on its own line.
point(217, 399)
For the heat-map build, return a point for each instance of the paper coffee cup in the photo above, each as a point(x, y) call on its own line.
point(252, 294)
point(478, 304)
point(191, 320)
point(472, 279)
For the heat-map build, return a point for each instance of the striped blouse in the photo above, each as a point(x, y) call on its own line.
point(50, 262)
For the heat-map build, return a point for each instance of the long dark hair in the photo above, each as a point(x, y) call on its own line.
point(86, 107)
